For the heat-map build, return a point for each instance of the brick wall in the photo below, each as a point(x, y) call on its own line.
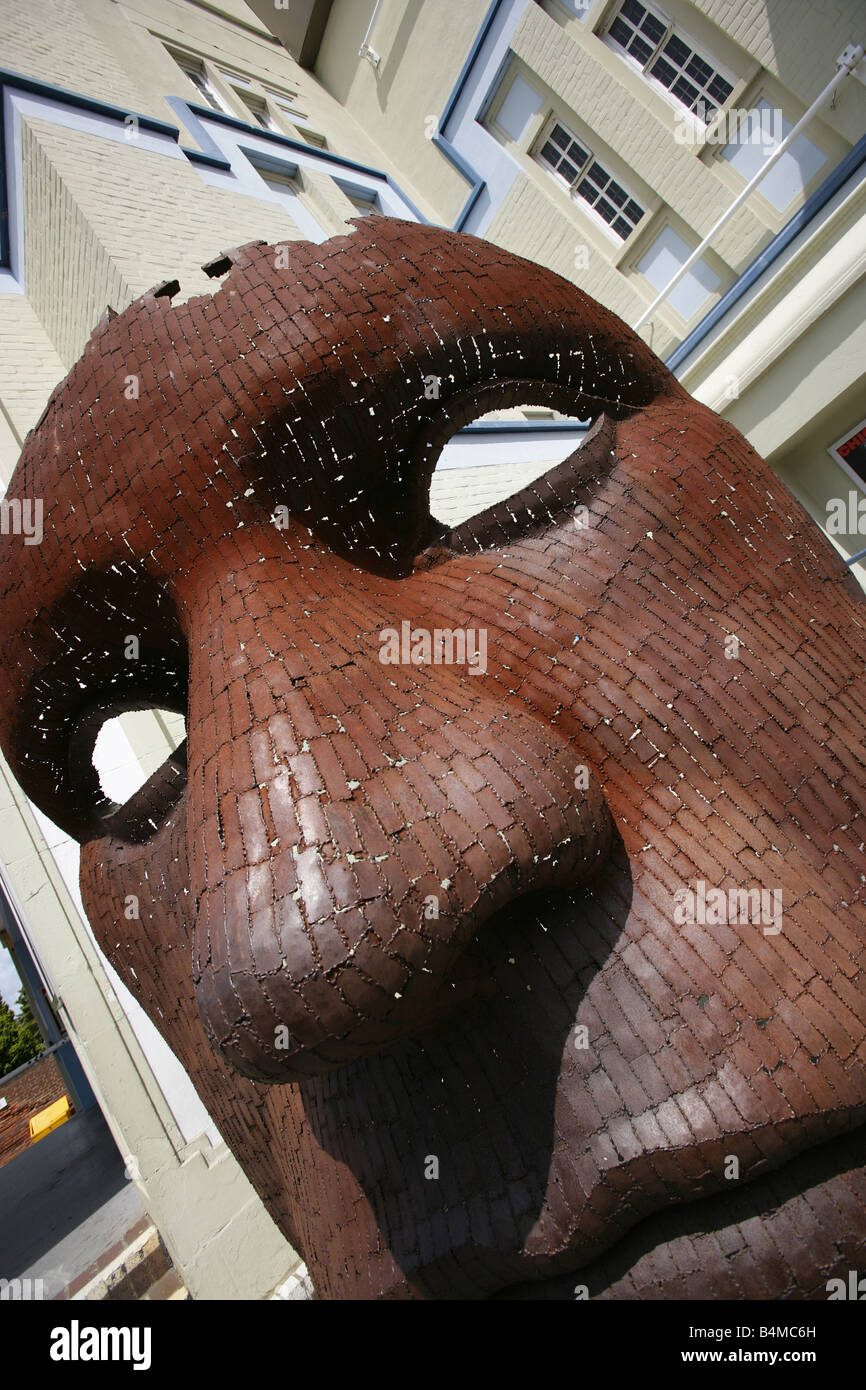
point(796, 40)
point(26, 1094)
point(107, 221)
point(628, 117)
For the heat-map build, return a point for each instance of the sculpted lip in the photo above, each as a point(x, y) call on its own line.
point(682, 1251)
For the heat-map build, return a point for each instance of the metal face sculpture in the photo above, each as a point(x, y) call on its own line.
point(508, 894)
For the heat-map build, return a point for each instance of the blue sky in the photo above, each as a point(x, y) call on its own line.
point(9, 981)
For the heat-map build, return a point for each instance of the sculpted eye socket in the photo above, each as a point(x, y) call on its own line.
point(112, 644)
point(492, 459)
point(537, 496)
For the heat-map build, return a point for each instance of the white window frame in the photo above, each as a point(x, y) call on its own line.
point(672, 30)
point(591, 159)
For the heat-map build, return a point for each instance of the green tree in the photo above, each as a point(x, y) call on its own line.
point(20, 1038)
point(28, 1028)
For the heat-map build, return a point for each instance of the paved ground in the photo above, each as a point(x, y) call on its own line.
point(64, 1202)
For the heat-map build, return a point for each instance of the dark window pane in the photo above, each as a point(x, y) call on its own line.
point(633, 210)
point(616, 194)
point(685, 92)
point(587, 191)
point(550, 153)
point(719, 89)
point(622, 228)
point(653, 28)
point(640, 49)
point(662, 70)
point(677, 50)
point(598, 175)
point(577, 155)
point(633, 11)
point(559, 137)
point(605, 209)
point(620, 32)
point(568, 171)
point(698, 69)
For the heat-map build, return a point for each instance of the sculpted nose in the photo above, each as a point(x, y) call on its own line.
point(351, 825)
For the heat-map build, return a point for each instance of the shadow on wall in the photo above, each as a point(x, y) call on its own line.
point(803, 29)
point(388, 70)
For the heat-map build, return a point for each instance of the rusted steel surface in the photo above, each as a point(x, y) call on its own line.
point(502, 911)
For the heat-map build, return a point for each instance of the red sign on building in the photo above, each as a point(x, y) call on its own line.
point(850, 451)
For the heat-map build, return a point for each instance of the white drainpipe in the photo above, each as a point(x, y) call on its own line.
point(365, 51)
point(847, 61)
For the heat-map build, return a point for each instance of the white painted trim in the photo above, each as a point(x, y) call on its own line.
point(243, 178)
point(466, 134)
point(18, 105)
point(527, 446)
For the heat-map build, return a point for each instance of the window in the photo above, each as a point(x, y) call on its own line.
point(690, 78)
point(564, 155)
point(236, 95)
point(638, 30)
point(286, 101)
point(285, 107)
point(279, 182)
point(850, 451)
point(262, 102)
point(194, 69)
point(252, 103)
point(663, 54)
point(289, 186)
point(257, 108)
point(576, 165)
point(363, 203)
point(755, 141)
point(312, 137)
point(518, 109)
point(660, 263)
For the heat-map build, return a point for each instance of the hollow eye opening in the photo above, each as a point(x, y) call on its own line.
point(497, 454)
point(131, 747)
point(135, 762)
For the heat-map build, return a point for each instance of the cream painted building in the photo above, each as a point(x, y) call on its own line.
point(605, 140)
